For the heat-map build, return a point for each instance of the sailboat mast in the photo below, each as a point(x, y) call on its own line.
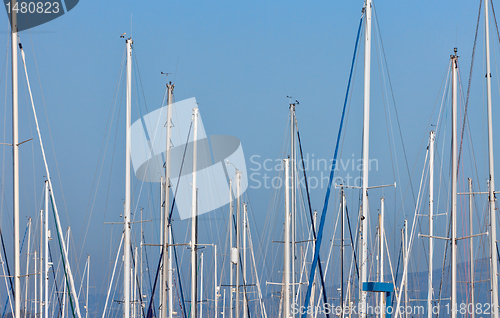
point(471, 246)
point(238, 247)
point(167, 294)
point(194, 221)
point(366, 149)
point(342, 242)
point(40, 262)
point(382, 235)
point(126, 218)
point(231, 266)
point(162, 241)
point(286, 269)
point(244, 233)
point(432, 137)
point(27, 271)
point(292, 195)
point(491, 197)
point(216, 288)
point(88, 279)
point(454, 59)
point(46, 251)
point(201, 285)
point(15, 160)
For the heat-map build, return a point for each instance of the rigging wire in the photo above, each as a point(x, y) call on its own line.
point(470, 77)
point(320, 268)
point(327, 197)
point(102, 151)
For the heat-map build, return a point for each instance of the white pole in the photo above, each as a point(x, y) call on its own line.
point(46, 242)
point(194, 221)
point(64, 310)
point(64, 300)
point(167, 258)
point(493, 224)
point(87, 298)
point(135, 298)
point(313, 288)
point(238, 235)
point(27, 270)
point(15, 160)
point(224, 305)
point(292, 193)
point(231, 267)
point(126, 218)
point(245, 300)
point(162, 240)
point(40, 265)
point(201, 285)
point(286, 269)
point(112, 278)
point(454, 171)
point(56, 214)
point(216, 288)
point(471, 198)
point(342, 242)
point(405, 237)
point(140, 266)
point(382, 235)
point(430, 292)
point(366, 149)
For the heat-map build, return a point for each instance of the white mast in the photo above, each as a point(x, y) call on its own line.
point(231, 266)
point(140, 266)
point(126, 217)
point(432, 136)
point(382, 235)
point(134, 280)
point(216, 288)
point(471, 198)
point(238, 234)
point(366, 148)
point(162, 240)
point(454, 59)
point(40, 262)
point(88, 278)
point(405, 258)
point(293, 211)
point(27, 270)
point(46, 267)
point(313, 288)
point(194, 221)
point(201, 285)
point(493, 229)
point(342, 241)
point(15, 160)
point(167, 241)
point(245, 300)
point(66, 291)
point(286, 269)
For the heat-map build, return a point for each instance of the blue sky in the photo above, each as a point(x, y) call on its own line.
point(240, 59)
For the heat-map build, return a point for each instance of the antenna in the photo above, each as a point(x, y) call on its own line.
point(167, 74)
